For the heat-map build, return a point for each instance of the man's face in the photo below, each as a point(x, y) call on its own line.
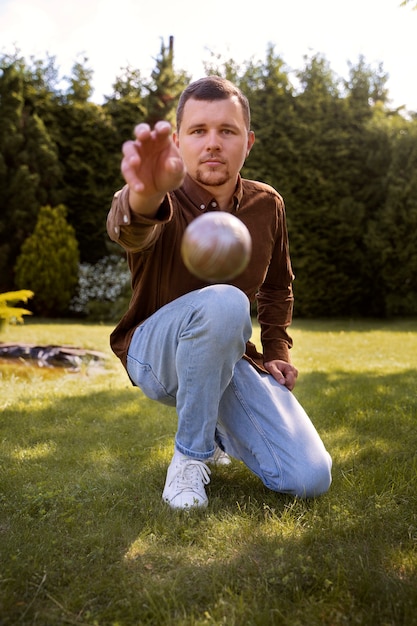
point(213, 140)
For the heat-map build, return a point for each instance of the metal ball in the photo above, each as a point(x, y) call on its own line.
point(216, 247)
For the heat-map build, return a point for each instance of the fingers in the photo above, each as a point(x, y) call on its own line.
point(145, 140)
point(289, 381)
point(134, 152)
point(290, 374)
point(143, 132)
point(284, 373)
point(130, 166)
point(151, 163)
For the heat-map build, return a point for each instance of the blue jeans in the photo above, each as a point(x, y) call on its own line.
point(189, 355)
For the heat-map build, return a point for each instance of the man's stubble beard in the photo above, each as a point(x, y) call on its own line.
point(212, 179)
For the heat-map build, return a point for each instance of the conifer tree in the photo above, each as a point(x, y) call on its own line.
point(48, 262)
point(126, 105)
point(90, 156)
point(392, 239)
point(80, 82)
point(165, 87)
point(30, 173)
point(271, 98)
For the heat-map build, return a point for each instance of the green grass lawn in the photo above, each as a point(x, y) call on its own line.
point(86, 539)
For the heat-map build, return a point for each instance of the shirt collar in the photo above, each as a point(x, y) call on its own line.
point(203, 199)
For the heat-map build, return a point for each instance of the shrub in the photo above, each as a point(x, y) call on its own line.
point(10, 314)
point(103, 289)
point(48, 262)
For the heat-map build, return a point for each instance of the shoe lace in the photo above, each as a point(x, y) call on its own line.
point(192, 474)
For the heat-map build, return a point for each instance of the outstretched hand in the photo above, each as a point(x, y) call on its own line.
point(283, 372)
point(151, 166)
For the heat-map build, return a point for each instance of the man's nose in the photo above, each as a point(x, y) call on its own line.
point(213, 141)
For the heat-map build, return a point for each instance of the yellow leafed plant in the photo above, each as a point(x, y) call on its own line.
point(9, 313)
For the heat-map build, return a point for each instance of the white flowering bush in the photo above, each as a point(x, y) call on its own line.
point(100, 285)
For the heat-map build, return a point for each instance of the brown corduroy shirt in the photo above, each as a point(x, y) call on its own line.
point(159, 275)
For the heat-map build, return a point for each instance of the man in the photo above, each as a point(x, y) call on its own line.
point(186, 343)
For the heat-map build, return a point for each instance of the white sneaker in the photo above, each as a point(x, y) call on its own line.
point(220, 457)
point(184, 485)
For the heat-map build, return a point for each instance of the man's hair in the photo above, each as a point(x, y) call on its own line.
point(212, 88)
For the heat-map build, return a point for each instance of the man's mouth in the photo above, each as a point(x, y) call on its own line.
point(213, 162)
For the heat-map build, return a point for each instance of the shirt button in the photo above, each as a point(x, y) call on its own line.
point(116, 230)
point(202, 207)
point(125, 219)
point(214, 204)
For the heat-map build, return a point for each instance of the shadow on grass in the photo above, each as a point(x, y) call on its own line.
point(86, 538)
point(356, 325)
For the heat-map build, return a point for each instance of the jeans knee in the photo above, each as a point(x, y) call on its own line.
point(227, 306)
point(316, 480)
point(306, 481)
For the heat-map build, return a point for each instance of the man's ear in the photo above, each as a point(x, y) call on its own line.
point(251, 141)
point(175, 138)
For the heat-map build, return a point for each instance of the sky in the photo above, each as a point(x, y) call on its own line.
point(113, 34)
